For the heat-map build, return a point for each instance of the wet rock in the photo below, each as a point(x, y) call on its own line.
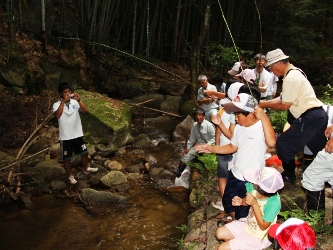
point(160, 173)
point(137, 168)
point(113, 178)
point(171, 104)
point(25, 200)
point(151, 159)
point(134, 176)
point(183, 130)
point(142, 141)
point(121, 151)
point(58, 184)
point(92, 196)
point(95, 179)
point(48, 171)
point(110, 150)
point(113, 165)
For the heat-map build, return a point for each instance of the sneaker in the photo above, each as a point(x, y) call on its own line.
point(176, 172)
point(91, 170)
point(218, 205)
point(72, 179)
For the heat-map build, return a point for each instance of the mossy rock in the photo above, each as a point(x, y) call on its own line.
point(108, 120)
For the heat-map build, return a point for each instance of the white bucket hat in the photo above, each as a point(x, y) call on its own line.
point(275, 56)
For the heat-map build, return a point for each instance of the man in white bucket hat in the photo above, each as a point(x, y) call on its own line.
point(305, 113)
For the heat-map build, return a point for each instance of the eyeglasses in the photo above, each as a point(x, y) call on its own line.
point(270, 66)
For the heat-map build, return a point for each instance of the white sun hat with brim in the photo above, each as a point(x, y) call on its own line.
point(275, 56)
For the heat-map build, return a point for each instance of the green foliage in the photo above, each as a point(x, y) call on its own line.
point(315, 218)
point(278, 120)
point(222, 58)
point(327, 94)
point(207, 164)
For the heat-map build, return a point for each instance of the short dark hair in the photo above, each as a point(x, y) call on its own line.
point(245, 113)
point(62, 86)
point(251, 90)
point(199, 111)
point(262, 192)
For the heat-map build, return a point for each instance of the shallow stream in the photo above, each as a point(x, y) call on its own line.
point(148, 221)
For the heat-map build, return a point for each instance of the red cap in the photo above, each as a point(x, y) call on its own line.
point(293, 234)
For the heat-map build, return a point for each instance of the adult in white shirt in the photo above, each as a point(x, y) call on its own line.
point(206, 103)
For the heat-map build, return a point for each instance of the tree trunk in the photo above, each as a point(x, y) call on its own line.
point(176, 32)
point(43, 32)
point(134, 26)
point(195, 55)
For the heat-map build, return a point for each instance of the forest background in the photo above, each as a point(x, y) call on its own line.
point(119, 38)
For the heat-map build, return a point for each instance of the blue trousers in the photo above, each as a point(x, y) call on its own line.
point(234, 188)
point(308, 130)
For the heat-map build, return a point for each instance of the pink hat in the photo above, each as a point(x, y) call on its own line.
point(235, 69)
point(293, 234)
point(248, 75)
point(267, 178)
point(233, 89)
point(242, 102)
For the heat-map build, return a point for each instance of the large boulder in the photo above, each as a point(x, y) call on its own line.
point(183, 130)
point(47, 171)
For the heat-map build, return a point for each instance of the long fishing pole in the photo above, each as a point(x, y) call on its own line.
point(234, 44)
point(127, 54)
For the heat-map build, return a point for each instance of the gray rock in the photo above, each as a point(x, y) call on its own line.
point(92, 196)
point(113, 165)
point(113, 178)
point(142, 141)
point(183, 130)
point(48, 171)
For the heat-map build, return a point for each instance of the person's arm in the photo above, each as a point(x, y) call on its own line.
point(225, 149)
point(206, 100)
point(217, 136)
point(215, 93)
point(60, 109)
point(217, 121)
point(252, 201)
point(269, 133)
point(274, 104)
point(83, 107)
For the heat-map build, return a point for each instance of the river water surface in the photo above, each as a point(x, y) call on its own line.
point(147, 221)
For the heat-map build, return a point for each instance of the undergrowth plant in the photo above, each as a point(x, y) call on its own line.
point(278, 120)
point(207, 164)
point(327, 94)
point(314, 218)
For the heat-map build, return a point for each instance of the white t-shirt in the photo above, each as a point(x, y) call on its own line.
point(252, 147)
point(265, 77)
point(70, 126)
point(225, 120)
point(273, 85)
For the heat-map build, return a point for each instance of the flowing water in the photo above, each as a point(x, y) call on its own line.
point(147, 221)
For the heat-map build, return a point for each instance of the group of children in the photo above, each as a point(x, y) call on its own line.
point(249, 189)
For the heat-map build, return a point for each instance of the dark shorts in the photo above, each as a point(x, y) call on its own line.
point(308, 130)
point(222, 166)
point(234, 188)
point(68, 147)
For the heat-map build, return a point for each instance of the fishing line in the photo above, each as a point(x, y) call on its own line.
point(127, 54)
point(233, 41)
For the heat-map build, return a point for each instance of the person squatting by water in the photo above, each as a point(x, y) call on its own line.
point(306, 116)
point(205, 102)
point(202, 132)
point(66, 110)
point(264, 202)
point(252, 135)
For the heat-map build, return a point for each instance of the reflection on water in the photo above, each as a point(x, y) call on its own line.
point(148, 221)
